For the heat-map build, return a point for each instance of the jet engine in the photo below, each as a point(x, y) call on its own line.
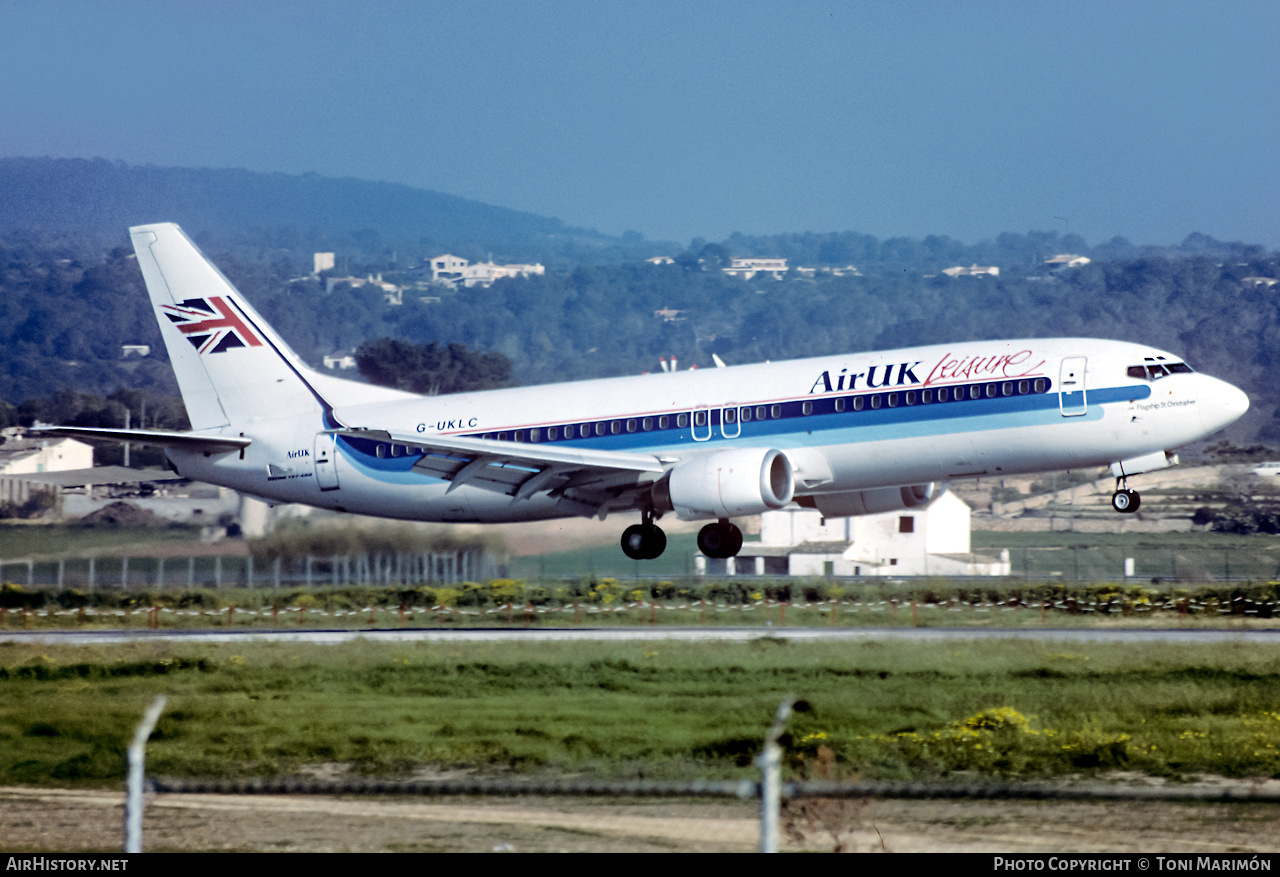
point(742, 481)
point(870, 502)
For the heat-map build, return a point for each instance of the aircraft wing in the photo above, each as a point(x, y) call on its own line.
point(521, 470)
point(158, 437)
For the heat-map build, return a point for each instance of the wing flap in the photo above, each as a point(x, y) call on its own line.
point(520, 470)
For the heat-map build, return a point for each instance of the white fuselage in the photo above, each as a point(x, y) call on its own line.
point(847, 422)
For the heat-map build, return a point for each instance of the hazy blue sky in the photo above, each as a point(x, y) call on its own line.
point(679, 119)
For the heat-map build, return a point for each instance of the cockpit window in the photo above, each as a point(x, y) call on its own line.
point(1154, 371)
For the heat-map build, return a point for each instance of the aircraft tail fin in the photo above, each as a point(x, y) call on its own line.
point(232, 368)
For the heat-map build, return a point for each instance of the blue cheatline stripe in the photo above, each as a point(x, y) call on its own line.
point(824, 427)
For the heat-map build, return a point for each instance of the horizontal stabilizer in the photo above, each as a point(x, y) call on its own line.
point(161, 438)
point(102, 475)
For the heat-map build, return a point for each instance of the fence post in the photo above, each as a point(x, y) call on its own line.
point(133, 792)
point(124, 573)
point(770, 762)
point(160, 574)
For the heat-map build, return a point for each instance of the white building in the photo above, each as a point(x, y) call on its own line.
point(914, 542)
point(1067, 260)
point(321, 262)
point(748, 268)
point(339, 361)
point(24, 456)
point(453, 270)
point(447, 268)
point(972, 271)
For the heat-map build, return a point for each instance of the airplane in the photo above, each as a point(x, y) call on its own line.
point(847, 434)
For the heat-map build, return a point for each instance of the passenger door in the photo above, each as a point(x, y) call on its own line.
point(1071, 390)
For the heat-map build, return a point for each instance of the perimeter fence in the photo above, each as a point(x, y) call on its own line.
point(800, 809)
point(507, 603)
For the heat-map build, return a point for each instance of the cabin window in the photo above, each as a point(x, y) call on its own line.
point(991, 390)
point(380, 451)
point(535, 435)
point(746, 415)
point(1006, 389)
point(568, 431)
point(600, 428)
point(631, 426)
point(875, 401)
point(975, 392)
point(699, 418)
point(1041, 385)
point(909, 397)
point(1023, 387)
point(502, 436)
point(396, 450)
point(682, 420)
point(759, 412)
point(730, 415)
point(518, 435)
point(806, 408)
point(858, 402)
point(551, 433)
point(839, 405)
point(893, 400)
point(615, 427)
point(663, 421)
point(943, 394)
point(775, 412)
point(926, 396)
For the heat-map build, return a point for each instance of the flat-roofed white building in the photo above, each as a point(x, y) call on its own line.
point(748, 268)
point(973, 270)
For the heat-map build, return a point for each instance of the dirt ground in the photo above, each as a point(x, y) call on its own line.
point(47, 820)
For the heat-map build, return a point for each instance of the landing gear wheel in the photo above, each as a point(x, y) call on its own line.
point(720, 540)
point(1126, 501)
point(643, 541)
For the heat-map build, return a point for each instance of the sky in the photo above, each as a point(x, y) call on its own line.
point(1148, 120)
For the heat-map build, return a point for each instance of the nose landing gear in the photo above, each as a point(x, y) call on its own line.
point(1124, 500)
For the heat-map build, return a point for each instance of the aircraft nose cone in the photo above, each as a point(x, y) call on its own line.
point(1223, 406)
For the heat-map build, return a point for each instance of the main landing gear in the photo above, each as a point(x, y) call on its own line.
point(1124, 500)
point(721, 539)
point(644, 541)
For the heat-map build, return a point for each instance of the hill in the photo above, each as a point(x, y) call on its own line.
point(100, 199)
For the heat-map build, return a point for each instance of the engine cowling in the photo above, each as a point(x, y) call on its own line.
point(742, 481)
point(871, 502)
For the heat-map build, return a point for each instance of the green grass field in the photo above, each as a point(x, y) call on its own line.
point(886, 710)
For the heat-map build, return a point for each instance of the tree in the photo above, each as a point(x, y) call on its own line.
point(431, 369)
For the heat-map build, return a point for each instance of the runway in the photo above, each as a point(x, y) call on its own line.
point(683, 634)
